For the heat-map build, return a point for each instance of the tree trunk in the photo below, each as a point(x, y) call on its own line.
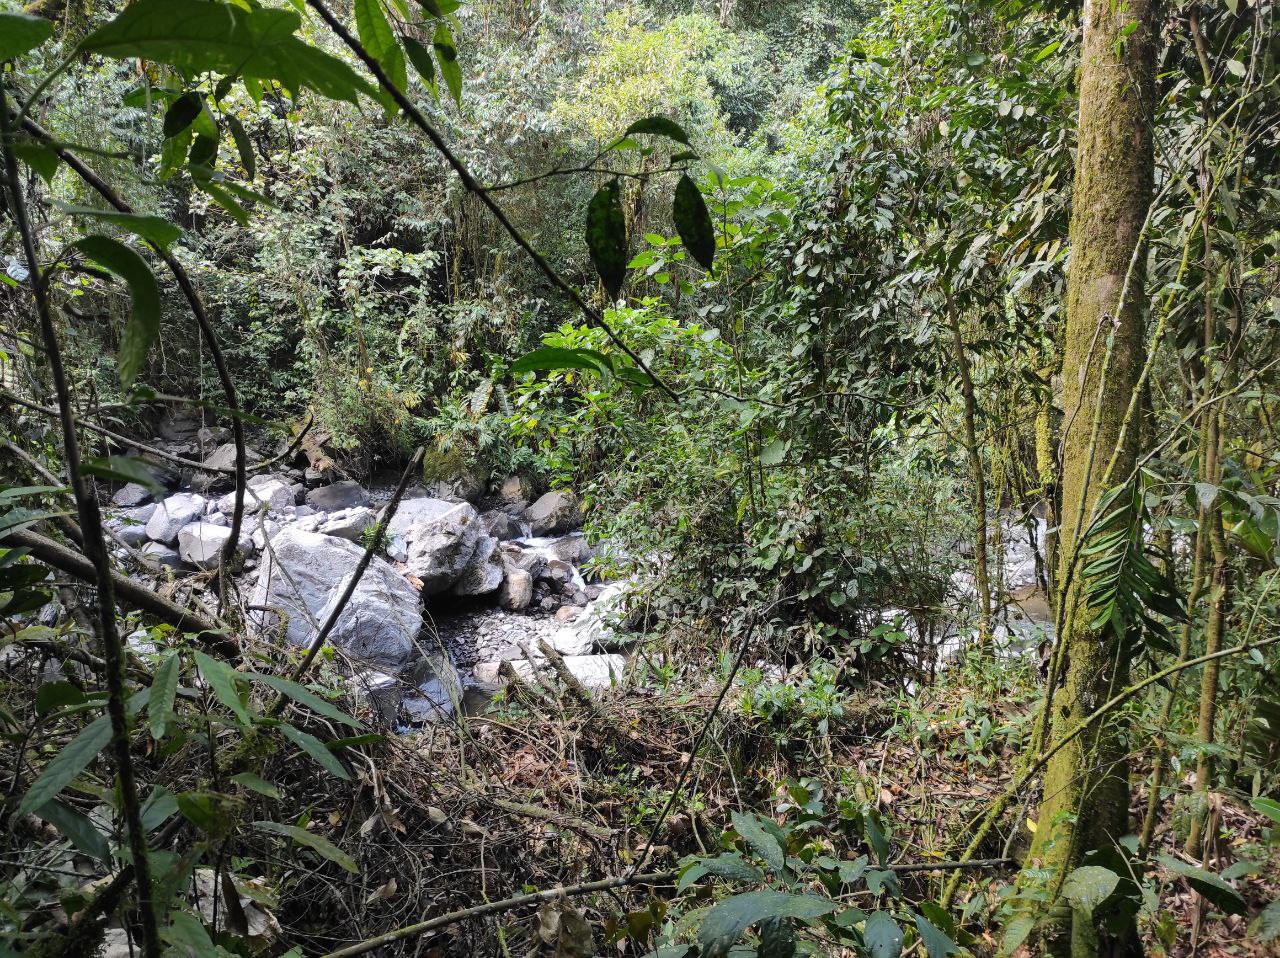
point(1086, 788)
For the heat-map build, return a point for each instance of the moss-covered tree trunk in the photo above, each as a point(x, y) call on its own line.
point(1086, 787)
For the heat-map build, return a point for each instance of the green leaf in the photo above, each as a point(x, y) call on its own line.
point(1267, 807)
point(212, 37)
point(225, 200)
point(77, 829)
point(153, 229)
point(244, 147)
point(777, 939)
point(256, 783)
point(659, 126)
point(440, 8)
point(377, 37)
point(882, 936)
point(315, 748)
point(164, 689)
point(726, 920)
point(67, 764)
point(693, 223)
point(181, 113)
point(607, 237)
point(157, 809)
point(729, 865)
point(201, 810)
point(305, 697)
point(174, 153)
point(1266, 927)
point(188, 936)
point(225, 682)
point(774, 453)
point(40, 157)
point(1216, 891)
point(312, 841)
point(21, 33)
point(420, 57)
point(554, 357)
point(52, 695)
point(1016, 932)
point(121, 469)
point(447, 57)
point(144, 319)
point(1088, 887)
point(761, 841)
point(936, 942)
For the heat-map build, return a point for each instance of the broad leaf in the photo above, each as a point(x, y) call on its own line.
point(40, 157)
point(315, 748)
point(1088, 887)
point(244, 147)
point(21, 33)
point(726, 920)
point(693, 223)
point(144, 319)
point(122, 469)
point(761, 841)
point(225, 682)
point(312, 841)
point(78, 829)
point(659, 126)
point(1266, 927)
point(377, 37)
point(936, 942)
point(1216, 891)
point(447, 58)
point(188, 937)
point(882, 936)
point(305, 697)
point(164, 689)
point(67, 764)
point(153, 229)
point(256, 783)
point(607, 237)
point(420, 57)
point(554, 357)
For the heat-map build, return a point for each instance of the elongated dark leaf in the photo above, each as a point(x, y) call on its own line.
point(256, 783)
point(181, 113)
point(164, 690)
point(144, 319)
point(726, 920)
point(420, 57)
point(122, 469)
point(555, 357)
point(153, 229)
point(225, 682)
point(377, 37)
point(693, 222)
point(315, 748)
point(659, 126)
point(77, 829)
point(305, 697)
point(21, 33)
point(244, 147)
point(607, 237)
point(67, 764)
point(1216, 891)
point(312, 841)
point(447, 58)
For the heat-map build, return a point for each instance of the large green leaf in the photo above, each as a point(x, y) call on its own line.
point(659, 126)
point(315, 748)
point(693, 223)
point(607, 237)
point(937, 943)
point(244, 147)
point(20, 33)
point(67, 764)
point(305, 697)
point(447, 57)
point(222, 38)
point(1266, 927)
point(164, 689)
point(726, 920)
point(312, 841)
point(1087, 887)
point(378, 39)
point(1216, 891)
point(761, 841)
point(420, 57)
point(77, 829)
point(225, 682)
point(554, 357)
point(882, 936)
point(144, 319)
point(122, 469)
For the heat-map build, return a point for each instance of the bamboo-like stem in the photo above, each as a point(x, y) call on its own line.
point(95, 550)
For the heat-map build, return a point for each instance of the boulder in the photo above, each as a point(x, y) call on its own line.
point(566, 614)
point(175, 512)
point(131, 524)
point(438, 690)
point(224, 457)
point(349, 523)
point(131, 494)
point(263, 531)
point(211, 436)
point(502, 526)
point(530, 560)
point(270, 491)
point(337, 496)
point(304, 575)
point(559, 575)
point(378, 691)
point(516, 489)
point(419, 509)
point(555, 512)
point(516, 591)
point(200, 544)
point(593, 671)
point(438, 550)
point(483, 572)
point(161, 555)
point(180, 425)
point(572, 548)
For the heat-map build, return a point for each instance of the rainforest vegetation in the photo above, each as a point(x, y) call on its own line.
point(639, 477)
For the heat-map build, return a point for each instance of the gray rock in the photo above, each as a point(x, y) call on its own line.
point(131, 524)
point(530, 560)
point(338, 495)
point(270, 491)
point(420, 509)
point(555, 512)
point(175, 512)
point(224, 457)
point(304, 510)
point(211, 436)
point(558, 574)
point(180, 425)
point(201, 544)
point(438, 550)
point(502, 526)
point(483, 573)
point(216, 518)
point(593, 671)
point(572, 548)
point(305, 574)
point(265, 530)
point(313, 477)
point(566, 614)
point(161, 555)
point(131, 494)
point(516, 489)
point(349, 523)
point(378, 692)
point(516, 591)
